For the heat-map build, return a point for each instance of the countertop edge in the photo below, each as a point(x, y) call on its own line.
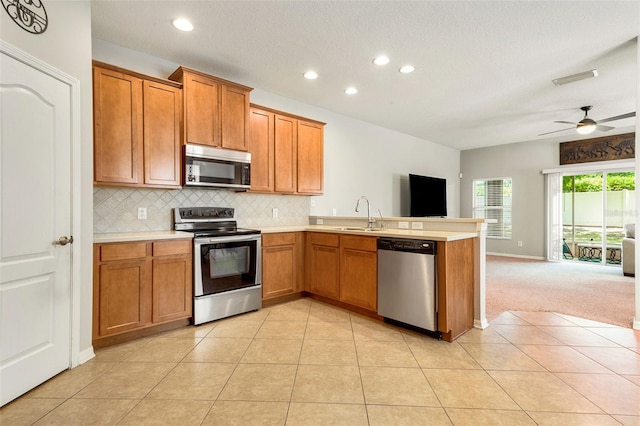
point(119, 237)
point(393, 233)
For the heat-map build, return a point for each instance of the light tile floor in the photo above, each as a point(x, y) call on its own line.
point(308, 363)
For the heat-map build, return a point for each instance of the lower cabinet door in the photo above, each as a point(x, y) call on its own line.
point(359, 278)
point(278, 271)
point(324, 271)
point(122, 297)
point(171, 293)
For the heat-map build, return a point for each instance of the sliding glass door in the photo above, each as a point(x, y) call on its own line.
point(595, 207)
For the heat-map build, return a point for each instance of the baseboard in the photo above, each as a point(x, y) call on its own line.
point(86, 355)
point(481, 324)
point(520, 256)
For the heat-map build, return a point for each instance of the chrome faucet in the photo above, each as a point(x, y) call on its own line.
point(370, 220)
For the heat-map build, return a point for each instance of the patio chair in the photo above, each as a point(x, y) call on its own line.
point(566, 251)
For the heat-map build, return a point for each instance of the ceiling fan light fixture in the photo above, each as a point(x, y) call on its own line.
point(575, 77)
point(586, 126)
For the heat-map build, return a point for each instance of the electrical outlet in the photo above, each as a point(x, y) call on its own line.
point(403, 225)
point(142, 213)
point(334, 211)
point(313, 202)
point(274, 212)
point(417, 225)
point(519, 243)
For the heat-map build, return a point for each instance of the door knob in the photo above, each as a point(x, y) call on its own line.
point(63, 241)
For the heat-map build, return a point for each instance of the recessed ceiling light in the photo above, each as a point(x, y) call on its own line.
point(381, 60)
point(310, 75)
point(350, 90)
point(182, 24)
point(406, 69)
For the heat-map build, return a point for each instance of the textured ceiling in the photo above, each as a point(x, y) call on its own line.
point(483, 69)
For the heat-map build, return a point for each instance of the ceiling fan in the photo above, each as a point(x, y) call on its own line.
point(587, 125)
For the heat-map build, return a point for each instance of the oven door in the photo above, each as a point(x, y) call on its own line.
point(226, 263)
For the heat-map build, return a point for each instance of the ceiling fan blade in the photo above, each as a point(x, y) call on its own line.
point(604, 128)
point(618, 117)
point(556, 131)
point(566, 122)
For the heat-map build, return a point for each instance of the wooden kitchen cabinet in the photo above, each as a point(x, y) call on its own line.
point(310, 157)
point(322, 269)
point(285, 148)
point(216, 111)
point(359, 271)
point(287, 153)
point(171, 280)
point(454, 263)
point(282, 264)
point(162, 106)
point(136, 129)
point(117, 127)
point(262, 149)
point(139, 285)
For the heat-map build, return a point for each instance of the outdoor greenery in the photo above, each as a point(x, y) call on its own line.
point(593, 182)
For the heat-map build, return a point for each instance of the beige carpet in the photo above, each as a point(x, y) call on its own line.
point(595, 292)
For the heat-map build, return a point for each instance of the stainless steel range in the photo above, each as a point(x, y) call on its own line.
point(226, 261)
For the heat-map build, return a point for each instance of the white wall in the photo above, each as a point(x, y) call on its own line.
point(523, 162)
point(360, 158)
point(66, 45)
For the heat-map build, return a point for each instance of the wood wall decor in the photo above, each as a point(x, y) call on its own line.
point(616, 147)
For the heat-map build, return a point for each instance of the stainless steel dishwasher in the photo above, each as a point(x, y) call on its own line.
point(407, 282)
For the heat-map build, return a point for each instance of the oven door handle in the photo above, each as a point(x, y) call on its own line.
point(217, 240)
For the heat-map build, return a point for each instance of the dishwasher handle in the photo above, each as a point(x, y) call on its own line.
point(407, 245)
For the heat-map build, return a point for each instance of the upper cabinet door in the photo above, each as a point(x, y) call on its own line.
point(162, 141)
point(201, 110)
point(261, 147)
point(286, 136)
point(117, 121)
point(235, 118)
point(310, 157)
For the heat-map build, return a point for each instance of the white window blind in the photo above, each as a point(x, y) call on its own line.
point(492, 200)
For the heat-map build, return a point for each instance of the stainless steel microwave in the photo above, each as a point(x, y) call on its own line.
point(215, 167)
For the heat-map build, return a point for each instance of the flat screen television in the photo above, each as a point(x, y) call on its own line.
point(428, 196)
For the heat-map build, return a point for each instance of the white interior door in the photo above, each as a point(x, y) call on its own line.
point(35, 211)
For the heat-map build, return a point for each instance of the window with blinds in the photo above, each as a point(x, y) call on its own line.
point(492, 200)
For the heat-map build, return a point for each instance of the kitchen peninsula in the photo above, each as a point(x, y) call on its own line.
point(338, 256)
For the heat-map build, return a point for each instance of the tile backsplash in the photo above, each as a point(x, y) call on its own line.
point(116, 209)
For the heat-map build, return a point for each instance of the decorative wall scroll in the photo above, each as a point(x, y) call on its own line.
point(616, 147)
point(30, 15)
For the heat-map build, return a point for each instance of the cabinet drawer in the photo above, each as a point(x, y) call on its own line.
point(167, 248)
point(321, 239)
point(359, 243)
point(287, 238)
point(122, 251)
